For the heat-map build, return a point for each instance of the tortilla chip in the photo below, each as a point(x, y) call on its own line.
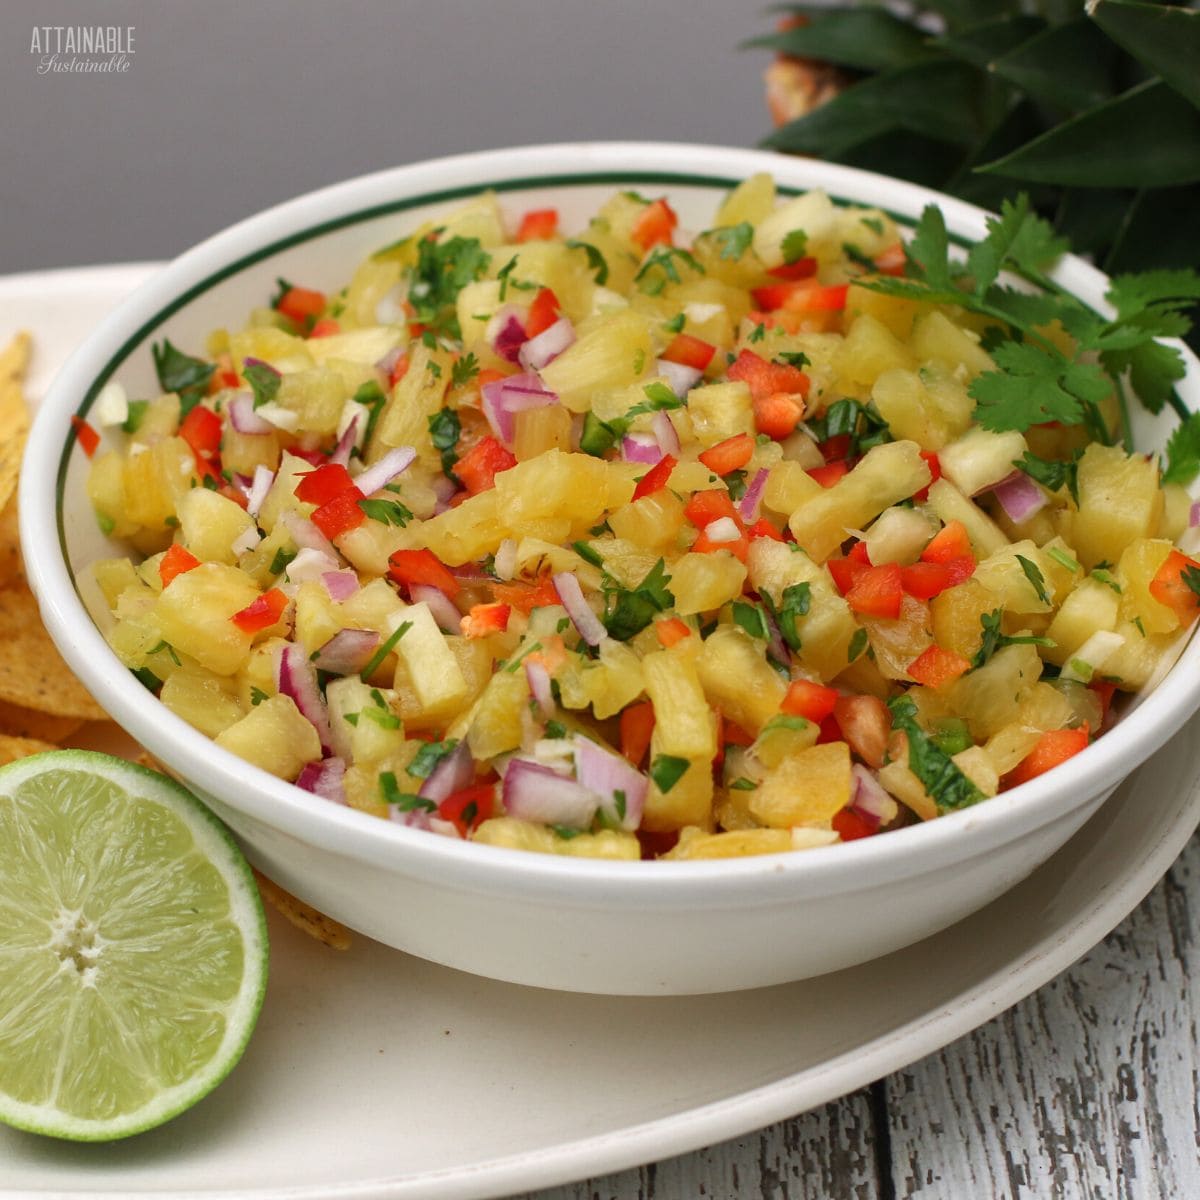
point(29, 723)
point(14, 413)
point(305, 918)
point(12, 748)
point(12, 565)
point(32, 672)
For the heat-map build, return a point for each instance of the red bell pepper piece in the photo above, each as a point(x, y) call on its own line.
point(339, 515)
point(924, 580)
point(322, 485)
point(485, 619)
point(730, 455)
point(778, 414)
point(1171, 586)
point(689, 351)
point(325, 327)
point(936, 667)
point(892, 261)
point(812, 701)
point(469, 807)
point(766, 378)
point(525, 597)
point(703, 508)
point(935, 473)
point(261, 613)
point(845, 571)
point(175, 562)
point(301, 304)
point(87, 437)
point(478, 468)
point(763, 528)
point(538, 224)
point(637, 724)
point(1053, 748)
point(951, 541)
point(201, 429)
point(543, 312)
point(830, 473)
point(422, 566)
point(877, 592)
point(656, 478)
point(654, 225)
point(849, 824)
point(671, 630)
point(802, 268)
point(859, 552)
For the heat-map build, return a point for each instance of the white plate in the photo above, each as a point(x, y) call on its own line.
point(375, 1075)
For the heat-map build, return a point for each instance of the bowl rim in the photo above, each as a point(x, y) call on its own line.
point(469, 866)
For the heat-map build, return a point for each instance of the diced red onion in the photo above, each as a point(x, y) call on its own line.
point(377, 476)
point(455, 772)
point(296, 677)
point(749, 504)
point(504, 398)
point(306, 534)
point(606, 773)
point(590, 627)
point(324, 779)
point(414, 818)
point(340, 585)
point(246, 540)
point(259, 487)
point(309, 564)
point(665, 432)
point(445, 611)
point(641, 448)
point(547, 345)
point(1020, 497)
point(539, 686)
point(680, 379)
point(723, 529)
point(870, 799)
point(243, 417)
point(776, 646)
point(536, 793)
point(347, 652)
point(346, 443)
point(506, 334)
point(1194, 515)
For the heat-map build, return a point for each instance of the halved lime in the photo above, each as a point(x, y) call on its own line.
point(133, 951)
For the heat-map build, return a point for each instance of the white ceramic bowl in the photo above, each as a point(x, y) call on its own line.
point(634, 928)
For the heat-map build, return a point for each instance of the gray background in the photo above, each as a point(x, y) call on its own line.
point(230, 106)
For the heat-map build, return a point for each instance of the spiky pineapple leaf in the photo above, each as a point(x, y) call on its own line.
point(963, 13)
point(1069, 66)
point(1156, 229)
point(979, 44)
point(1109, 146)
point(1165, 40)
point(867, 39)
point(940, 100)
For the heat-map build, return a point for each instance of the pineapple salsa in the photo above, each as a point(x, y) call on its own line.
point(631, 543)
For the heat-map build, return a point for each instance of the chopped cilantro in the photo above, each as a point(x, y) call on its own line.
point(629, 611)
point(282, 287)
point(733, 240)
point(874, 224)
point(506, 280)
point(384, 650)
point(742, 784)
point(464, 370)
point(1191, 578)
point(861, 423)
point(795, 246)
point(257, 696)
point(675, 324)
point(1061, 557)
point(404, 801)
point(170, 650)
point(513, 663)
point(589, 554)
point(1052, 473)
point(443, 269)
point(445, 429)
point(280, 562)
point(993, 639)
point(661, 267)
point(793, 358)
point(1034, 574)
point(382, 717)
point(946, 784)
point(566, 832)
point(757, 333)
point(177, 372)
point(666, 771)
point(428, 757)
point(793, 604)
point(263, 379)
point(858, 643)
point(147, 678)
point(389, 512)
point(555, 729)
point(750, 617)
point(105, 522)
point(1106, 577)
point(1183, 451)
point(595, 259)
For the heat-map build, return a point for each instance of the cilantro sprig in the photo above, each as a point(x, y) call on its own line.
point(443, 269)
point(1037, 381)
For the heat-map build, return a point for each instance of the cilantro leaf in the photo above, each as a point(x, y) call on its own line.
point(858, 643)
point(1018, 237)
point(384, 650)
point(667, 770)
point(794, 603)
point(263, 379)
point(372, 397)
point(733, 240)
point(136, 415)
point(794, 246)
point(1183, 452)
point(445, 428)
point(750, 618)
point(595, 259)
point(1027, 390)
point(1052, 473)
point(464, 370)
point(630, 610)
point(428, 757)
point(177, 372)
point(1034, 574)
point(929, 250)
point(993, 639)
point(941, 777)
point(443, 269)
point(661, 267)
point(404, 801)
point(1191, 577)
point(389, 512)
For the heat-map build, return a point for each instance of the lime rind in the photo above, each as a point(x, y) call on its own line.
point(216, 846)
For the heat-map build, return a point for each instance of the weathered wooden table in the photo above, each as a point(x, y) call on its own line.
point(1089, 1089)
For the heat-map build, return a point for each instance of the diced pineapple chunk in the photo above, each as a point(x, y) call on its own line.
point(935, 338)
point(495, 725)
point(1119, 500)
point(703, 582)
point(1090, 608)
point(684, 722)
point(274, 736)
point(210, 524)
point(1138, 566)
point(193, 615)
point(951, 505)
point(612, 354)
point(886, 475)
point(526, 835)
point(688, 801)
point(990, 696)
point(719, 411)
point(429, 664)
point(869, 350)
point(204, 700)
point(808, 788)
point(694, 843)
point(738, 680)
point(980, 459)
